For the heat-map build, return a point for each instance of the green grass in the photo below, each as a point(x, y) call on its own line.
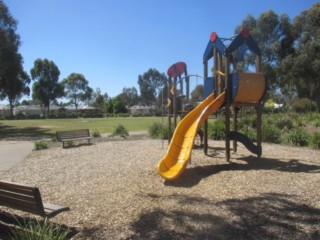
point(48, 127)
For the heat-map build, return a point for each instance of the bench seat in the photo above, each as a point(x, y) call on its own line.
point(73, 135)
point(27, 199)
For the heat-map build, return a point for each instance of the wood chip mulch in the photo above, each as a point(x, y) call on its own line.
point(115, 192)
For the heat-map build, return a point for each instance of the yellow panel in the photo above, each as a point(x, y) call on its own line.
point(251, 87)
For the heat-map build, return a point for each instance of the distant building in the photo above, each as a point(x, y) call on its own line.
point(138, 109)
point(4, 110)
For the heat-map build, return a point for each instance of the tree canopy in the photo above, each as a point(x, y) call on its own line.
point(290, 51)
point(14, 80)
point(150, 84)
point(46, 87)
point(77, 89)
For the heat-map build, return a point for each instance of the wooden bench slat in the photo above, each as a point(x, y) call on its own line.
point(28, 199)
point(70, 135)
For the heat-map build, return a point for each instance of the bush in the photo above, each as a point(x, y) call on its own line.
point(120, 131)
point(250, 133)
point(284, 123)
point(40, 145)
point(96, 134)
point(247, 121)
point(217, 130)
point(156, 130)
point(69, 143)
point(298, 137)
point(270, 134)
point(303, 105)
point(37, 230)
point(315, 140)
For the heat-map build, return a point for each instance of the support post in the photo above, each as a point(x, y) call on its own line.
point(235, 126)
point(205, 125)
point(227, 106)
point(174, 102)
point(169, 109)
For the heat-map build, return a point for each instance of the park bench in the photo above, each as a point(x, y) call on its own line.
point(27, 199)
point(71, 135)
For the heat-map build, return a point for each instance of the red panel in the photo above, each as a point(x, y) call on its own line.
point(177, 69)
point(245, 33)
point(213, 36)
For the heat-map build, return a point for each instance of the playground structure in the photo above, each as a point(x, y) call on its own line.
point(225, 89)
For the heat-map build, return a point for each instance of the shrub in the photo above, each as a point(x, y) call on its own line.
point(40, 145)
point(303, 105)
point(69, 143)
point(270, 134)
point(216, 130)
point(96, 134)
point(121, 131)
point(156, 130)
point(284, 123)
point(250, 133)
point(317, 123)
point(37, 230)
point(298, 137)
point(315, 140)
point(247, 121)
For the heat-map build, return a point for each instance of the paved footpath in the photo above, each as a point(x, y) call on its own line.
point(12, 152)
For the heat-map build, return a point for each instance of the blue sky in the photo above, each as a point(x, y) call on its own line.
point(111, 42)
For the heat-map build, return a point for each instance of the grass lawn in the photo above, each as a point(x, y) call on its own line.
point(48, 127)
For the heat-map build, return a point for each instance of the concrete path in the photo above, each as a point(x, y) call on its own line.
point(12, 152)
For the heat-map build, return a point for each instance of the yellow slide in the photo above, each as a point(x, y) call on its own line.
point(179, 150)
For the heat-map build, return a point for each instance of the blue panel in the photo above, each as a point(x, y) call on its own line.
point(242, 50)
point(208, 86)
point(235, 85)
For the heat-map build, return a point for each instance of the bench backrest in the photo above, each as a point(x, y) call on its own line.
point(20, 197)
point(78, 133)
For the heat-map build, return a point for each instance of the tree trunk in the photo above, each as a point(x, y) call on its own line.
point(11, 109)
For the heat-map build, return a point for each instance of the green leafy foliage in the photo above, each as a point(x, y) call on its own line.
point(216, 130)
point(315, 140)
point(40, 145)
point(96, 134)
point(158, 131)
point(298, 137)
point(303, 105)
point(121, 131)
point(35, 230)
point(270, 134)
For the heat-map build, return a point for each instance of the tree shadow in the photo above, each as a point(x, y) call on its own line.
point(268, 216)
point(9, 222)
point(13, 132)
point(193, 175)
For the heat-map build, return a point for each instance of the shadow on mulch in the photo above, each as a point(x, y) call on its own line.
point(12, 221)
point(193, 175)
point(267, 216)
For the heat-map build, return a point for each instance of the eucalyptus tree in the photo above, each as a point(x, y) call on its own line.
point(46, 87)
point(77, 89)
point(13, 79)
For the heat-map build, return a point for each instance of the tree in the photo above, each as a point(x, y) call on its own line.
point(13, 80)
point(46, 87)
point(150, 83)
point(118, 106)
point(129, 96)
point(301, 66)
point(197, 94)
point(77, 89)
point(269, 30)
